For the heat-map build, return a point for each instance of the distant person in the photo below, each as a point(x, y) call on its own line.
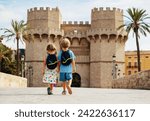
point(66, 65)
point(50, 68)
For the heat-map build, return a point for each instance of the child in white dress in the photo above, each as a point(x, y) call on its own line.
point(50, 68)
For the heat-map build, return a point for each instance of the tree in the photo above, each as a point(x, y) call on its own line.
point(137, 23)
point(17, 31)
point(6, 64)
point(3, 56)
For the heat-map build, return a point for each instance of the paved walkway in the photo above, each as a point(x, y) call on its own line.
point(79, 96)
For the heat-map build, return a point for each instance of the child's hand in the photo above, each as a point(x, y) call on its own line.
point(56, 82)
point(58, 70)
point(74, 70)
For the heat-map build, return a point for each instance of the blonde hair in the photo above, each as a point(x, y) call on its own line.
point(51, 47)
point(65, 43)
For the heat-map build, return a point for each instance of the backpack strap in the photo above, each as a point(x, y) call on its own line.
point(52, 63)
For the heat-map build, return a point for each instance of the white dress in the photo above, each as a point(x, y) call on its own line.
point(50, 76)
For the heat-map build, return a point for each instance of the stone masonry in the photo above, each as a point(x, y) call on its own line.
point(8, 80)
point(140, 80)
point(93, 43)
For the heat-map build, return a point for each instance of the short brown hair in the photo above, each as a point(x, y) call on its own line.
point(65, 43)
point(51, 47)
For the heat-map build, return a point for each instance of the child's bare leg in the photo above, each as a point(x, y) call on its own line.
point(51, 87)
point(69, 83)
point(64, 88)
point(69, 87)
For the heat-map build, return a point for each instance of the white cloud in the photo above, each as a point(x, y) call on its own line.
point(7, 15)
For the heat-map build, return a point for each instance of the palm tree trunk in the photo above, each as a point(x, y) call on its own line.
point(138, 51)
point(17, 56)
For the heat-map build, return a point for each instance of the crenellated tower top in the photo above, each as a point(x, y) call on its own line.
point(44, 18)
point(35, 9)
point(106, 18)
point(76, 23)
point(107, 9)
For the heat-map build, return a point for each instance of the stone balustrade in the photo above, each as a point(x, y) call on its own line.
point(8, 80)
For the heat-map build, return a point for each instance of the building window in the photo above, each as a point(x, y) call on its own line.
point(135, 64)
point(146, 57)
point(129, 64)
point(129, 57)
point(135, 71)
point(129, 72)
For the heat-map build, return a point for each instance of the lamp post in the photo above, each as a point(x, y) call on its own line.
point(114, 66)
point(22, 65)
point(116, 70)
point(30, 69)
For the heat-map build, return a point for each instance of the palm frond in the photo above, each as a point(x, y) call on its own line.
point(121, 26)
point(6, 59)
point(145, 28)
point(128, 17)
point(145, 24)
point(142, 32)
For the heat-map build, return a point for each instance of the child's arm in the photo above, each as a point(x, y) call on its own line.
point(44, 66)
point(58, 66)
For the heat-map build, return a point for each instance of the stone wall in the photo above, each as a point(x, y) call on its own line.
point(7, 80)
point(140, 80)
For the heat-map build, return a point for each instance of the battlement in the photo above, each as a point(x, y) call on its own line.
point(43, 9)
point(76, 23)
point(101, 31)
point(107, 9)
point(46, 31)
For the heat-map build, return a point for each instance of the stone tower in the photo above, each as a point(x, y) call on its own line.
point(93, 44)
point(105, 41)
point(44, 27)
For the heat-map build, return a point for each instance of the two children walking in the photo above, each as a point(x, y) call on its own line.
point(64, 64)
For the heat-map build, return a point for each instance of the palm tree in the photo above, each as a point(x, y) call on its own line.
point(137, 23)
point(17, 31)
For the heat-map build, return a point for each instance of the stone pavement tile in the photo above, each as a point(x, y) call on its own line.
point(39, 95)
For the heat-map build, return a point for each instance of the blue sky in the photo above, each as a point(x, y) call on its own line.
point(72, 10)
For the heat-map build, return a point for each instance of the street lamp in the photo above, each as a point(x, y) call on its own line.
point(22, 65)
point(30, 75)
point(114, 58)
point(114, 66)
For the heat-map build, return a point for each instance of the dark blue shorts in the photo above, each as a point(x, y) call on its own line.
point(65, 76)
